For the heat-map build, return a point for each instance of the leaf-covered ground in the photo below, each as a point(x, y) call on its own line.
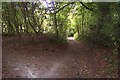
point(43, 60)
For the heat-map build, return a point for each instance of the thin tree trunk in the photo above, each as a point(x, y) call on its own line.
point(55, 25)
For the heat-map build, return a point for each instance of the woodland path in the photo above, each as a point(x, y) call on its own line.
point(76, 60)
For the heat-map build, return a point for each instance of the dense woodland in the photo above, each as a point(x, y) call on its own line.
point(97, 23)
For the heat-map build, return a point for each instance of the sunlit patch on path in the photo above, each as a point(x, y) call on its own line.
point(71, 38)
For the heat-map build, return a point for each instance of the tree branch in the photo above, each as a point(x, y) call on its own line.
point(64, 7)
point(86, 7)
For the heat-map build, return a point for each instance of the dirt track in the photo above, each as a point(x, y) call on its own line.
point(76, 60)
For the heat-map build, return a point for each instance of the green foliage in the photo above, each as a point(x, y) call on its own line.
point(102, 28)
point(71, 32)
point(99, 26)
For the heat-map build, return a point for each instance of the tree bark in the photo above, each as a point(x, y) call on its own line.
point(55, 24)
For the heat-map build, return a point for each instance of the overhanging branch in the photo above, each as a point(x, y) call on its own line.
point(86, 7)
point(64, 7)
point(73, 3)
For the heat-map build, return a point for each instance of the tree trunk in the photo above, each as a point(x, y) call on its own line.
point(55, 25)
